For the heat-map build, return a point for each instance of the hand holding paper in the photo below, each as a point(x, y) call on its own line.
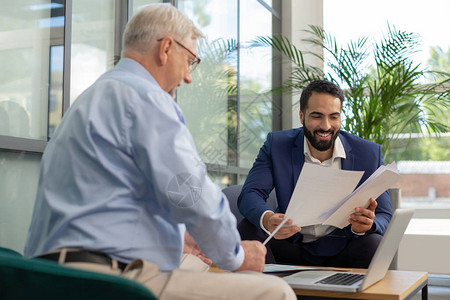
point(318, 190)
point(363, 218)
point(382, 179)
point(272, 220)
point(275, 231)
point(280, 226)
point(323, 195)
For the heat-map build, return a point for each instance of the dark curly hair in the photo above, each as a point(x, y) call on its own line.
point(320, 86)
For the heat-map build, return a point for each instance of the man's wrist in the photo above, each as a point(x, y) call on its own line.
point(357, 233)
point(261, 221)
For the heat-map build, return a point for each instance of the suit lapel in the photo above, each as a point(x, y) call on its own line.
point(348, 162)
point(298, 158)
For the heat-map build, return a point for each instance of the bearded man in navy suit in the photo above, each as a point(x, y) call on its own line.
point(278, 165)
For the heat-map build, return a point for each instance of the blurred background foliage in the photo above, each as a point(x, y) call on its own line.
point(390, 99)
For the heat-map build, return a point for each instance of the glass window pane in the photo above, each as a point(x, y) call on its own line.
point(137, 4)
point(221, 178)
point(209, 102)
point(242, 179)
point(55, 108)
point(255, 79)
point(425, 184)
point(350, 19)
point(420, 157)
point(92, 51)
point(25, 39)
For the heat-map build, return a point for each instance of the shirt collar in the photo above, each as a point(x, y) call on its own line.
point(133, 66)
point(338, 151)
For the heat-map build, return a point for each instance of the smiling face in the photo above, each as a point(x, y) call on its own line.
point(321, 123)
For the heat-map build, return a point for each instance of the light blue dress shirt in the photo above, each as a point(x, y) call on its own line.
point(121, 175)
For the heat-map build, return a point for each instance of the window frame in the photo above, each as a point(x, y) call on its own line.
point(62, 36)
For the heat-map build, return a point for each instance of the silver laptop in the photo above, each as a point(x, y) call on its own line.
point(356, 282)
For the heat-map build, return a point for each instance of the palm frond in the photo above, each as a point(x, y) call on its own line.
point(383, 100)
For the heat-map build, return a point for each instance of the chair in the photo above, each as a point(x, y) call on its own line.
point(10, 251)
point(24, 278)
point(233, 191)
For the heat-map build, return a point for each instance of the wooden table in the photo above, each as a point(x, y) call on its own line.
point(396, 285)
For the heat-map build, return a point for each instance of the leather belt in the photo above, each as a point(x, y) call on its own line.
point(84, 256)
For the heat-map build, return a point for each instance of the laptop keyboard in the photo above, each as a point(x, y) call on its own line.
point(341, 279)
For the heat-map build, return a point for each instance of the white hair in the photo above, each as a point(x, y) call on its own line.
point(156, 21)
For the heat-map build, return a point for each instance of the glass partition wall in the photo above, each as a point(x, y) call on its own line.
point(31, 56)
point(226, 106)
point(28, 35)
point(423, 158)
point(52, 50)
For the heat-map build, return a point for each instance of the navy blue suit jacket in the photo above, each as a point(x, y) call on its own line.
point(278, 165)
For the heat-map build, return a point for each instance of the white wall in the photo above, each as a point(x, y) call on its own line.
point(428, 253)
point(426, 246)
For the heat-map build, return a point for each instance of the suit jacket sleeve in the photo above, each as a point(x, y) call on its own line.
point(258, 185)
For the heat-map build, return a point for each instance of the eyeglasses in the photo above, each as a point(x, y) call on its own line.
point(196, 60)
point(193, 64)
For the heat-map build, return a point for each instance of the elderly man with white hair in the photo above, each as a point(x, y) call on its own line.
point(121, 183)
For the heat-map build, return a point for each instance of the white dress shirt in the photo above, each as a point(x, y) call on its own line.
point(314, 232)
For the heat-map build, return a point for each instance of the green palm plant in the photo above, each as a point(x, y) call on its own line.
point(384, 99)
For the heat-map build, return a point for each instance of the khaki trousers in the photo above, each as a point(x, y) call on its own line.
point(192, 281)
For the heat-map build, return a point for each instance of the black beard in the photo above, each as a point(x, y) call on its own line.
point(320, 145)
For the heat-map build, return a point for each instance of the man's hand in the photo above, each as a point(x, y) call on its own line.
point(191, 247)
point(255, 256)
point(362, 219)
point(272, 220)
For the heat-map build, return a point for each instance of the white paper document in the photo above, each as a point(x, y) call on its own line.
point(327, 196)
point(276, 268)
